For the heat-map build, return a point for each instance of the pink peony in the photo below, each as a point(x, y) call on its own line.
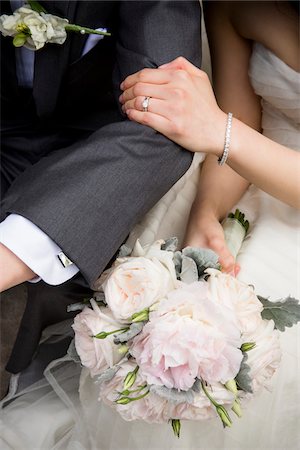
point(188, 337)
point(96, 354)
point(151, 409)
point(202, 408)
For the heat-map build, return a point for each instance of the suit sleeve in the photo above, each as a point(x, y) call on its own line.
point(152, 33)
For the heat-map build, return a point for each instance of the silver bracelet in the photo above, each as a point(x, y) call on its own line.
point(222, 160)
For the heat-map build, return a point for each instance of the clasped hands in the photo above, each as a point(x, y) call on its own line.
point(182, 105)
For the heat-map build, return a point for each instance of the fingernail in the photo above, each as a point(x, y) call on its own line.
point(121, 98)
point(237, 270)
point(122, 86)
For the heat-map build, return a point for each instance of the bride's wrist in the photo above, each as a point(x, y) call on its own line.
point(219, 133)
point(204, 212)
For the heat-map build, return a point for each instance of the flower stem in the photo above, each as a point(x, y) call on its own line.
point(104, 334)
point(84, 30)
point(126, 400)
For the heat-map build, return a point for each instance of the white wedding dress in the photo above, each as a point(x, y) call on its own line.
point(42, 418)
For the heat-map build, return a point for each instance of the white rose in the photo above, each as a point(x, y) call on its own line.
point(137, 282)
point(42, 27)
point(238, 297)
point(265, 357)
point(96, 354)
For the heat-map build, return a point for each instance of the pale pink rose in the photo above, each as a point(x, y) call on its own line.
point(188, 337)
point(135, 283)
point(264, 358)
point(238, 297)
point(96, 354)
point(151, 409)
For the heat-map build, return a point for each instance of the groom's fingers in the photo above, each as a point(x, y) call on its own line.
point(155, 121)
point(155, 76)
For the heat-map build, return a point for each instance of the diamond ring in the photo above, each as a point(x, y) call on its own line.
point(145, 104)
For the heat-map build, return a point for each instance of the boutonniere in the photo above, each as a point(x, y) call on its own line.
point(32, 27)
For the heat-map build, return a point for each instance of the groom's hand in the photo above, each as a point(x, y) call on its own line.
point(12, 270)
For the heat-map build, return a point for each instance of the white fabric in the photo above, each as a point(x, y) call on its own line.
point(35, 249)
point(269, 259)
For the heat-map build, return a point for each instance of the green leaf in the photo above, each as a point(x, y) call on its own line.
point(285, 313)
point(36, 6)
point(243, 379)
point(19, 39)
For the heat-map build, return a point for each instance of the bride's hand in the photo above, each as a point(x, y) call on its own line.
point(182, 105)
point(207, 232)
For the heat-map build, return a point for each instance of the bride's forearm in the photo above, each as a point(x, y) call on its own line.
point(272, 167)
point(219, 189)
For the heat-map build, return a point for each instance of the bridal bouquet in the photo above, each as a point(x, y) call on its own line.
point(169, 337)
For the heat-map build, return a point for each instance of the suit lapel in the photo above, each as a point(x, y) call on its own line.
point(9, 83)
point(51, 62)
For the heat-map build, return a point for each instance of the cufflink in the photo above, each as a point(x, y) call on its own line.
point(65, 261)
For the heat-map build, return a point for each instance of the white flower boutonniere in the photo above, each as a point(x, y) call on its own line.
point(32, 27)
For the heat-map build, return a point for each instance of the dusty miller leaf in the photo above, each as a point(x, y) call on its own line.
point(203, 257)
point(124, 251)
point(134, 329)
point(99, 297)
point(189, 271)
point(285, 313)
point(107, 375)
point(243, 378)
point(177, 259)
point(170, 244)
point(173, 395)
point(75, 307)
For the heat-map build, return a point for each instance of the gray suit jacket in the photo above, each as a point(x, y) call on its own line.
point(88, 196)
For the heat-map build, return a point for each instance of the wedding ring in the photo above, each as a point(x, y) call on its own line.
point(145, 104)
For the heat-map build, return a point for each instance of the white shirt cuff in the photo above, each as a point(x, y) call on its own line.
point(43, 256)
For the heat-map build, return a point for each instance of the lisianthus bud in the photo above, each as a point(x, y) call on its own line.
point(130, 378)
point(224, 416)
point(176, 425)
point(246, 346)
point(231, 386)
point(123, 349)
point(141, 316)
point(236, 408)
point(123, 401)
